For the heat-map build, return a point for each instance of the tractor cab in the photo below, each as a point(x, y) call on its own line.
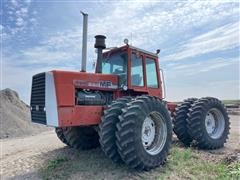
point(137, 69)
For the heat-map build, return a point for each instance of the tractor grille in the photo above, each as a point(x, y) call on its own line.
point(38, 112)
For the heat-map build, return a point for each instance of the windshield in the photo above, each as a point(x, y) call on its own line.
point(115, 64)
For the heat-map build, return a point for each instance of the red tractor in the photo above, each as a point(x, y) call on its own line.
point(121, 108)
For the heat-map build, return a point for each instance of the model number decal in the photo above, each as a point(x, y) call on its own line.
point(101, 84)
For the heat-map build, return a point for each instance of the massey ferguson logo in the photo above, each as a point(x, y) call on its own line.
point(101, 84)
point(105, 84)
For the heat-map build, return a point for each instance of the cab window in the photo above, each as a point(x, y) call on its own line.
point(136, 70)
point(115, 64)
point(151, 73)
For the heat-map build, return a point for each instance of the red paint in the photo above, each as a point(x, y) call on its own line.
point(65, 88)
point(79, 115)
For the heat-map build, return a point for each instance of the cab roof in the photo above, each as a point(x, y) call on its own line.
point(115, 49)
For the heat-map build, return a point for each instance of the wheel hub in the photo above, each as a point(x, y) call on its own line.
point(214, 123)
point(148, 131)
point(154, 133)
point(210, 123)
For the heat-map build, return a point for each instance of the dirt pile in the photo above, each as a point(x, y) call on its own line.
point(15, 119)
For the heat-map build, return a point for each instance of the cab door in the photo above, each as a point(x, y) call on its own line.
point(136, 72)
point(153, 81)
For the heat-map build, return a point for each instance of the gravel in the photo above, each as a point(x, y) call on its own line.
point(15, 116)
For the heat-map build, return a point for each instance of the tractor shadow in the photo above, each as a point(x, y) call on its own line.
point(68, 163)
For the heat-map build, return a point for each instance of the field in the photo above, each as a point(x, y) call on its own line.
point(237, 101)
point(43, 156)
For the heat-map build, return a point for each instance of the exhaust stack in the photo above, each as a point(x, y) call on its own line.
point(84, 42)
point(100, 45)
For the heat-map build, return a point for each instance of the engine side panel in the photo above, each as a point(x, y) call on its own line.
point(67, 82)
point(79, 115)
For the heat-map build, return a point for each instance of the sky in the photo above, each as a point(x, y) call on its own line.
point(199, 41)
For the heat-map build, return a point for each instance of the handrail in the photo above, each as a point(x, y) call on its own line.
point(163, 82)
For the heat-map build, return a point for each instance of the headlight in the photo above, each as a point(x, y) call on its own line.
point(125, 88)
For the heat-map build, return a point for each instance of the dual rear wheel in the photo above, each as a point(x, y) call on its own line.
point(137, 131)
point(204, 121)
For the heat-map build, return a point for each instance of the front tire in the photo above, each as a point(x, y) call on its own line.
point(107, 128)
point(208, 123)
point(60, 134)
point(83, 138)
point(144, 133)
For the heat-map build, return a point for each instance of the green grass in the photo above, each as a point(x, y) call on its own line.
point(181, 164)
point(236, 101)
point(234, 170)
point(54, 170)
point(188, 164)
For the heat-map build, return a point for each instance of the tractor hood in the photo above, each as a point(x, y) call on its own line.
point(65, 79)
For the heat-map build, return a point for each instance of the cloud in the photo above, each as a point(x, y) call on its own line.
point(215, 88)
point(42, 55)
point(199, 67)
point(17, 18)
point(219, 39)
point(155, 24)
point(19, 21)
point(14, 3)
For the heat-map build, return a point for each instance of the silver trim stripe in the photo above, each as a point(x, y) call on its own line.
point(51, 101)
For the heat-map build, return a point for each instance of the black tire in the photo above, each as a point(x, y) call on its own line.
point(129, 133)
point(60, 134)
point(107, 128)
point(196, 123)
point(180, 121)
point(82, 138)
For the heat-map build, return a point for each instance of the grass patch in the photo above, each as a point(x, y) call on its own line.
point(53, 169)
point(234, 170)
point(236, 101)
point(187, 164)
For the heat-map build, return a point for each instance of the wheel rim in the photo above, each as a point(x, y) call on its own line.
point(214, 123)
point(154, 133)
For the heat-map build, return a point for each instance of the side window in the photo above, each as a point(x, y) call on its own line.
point(136, 70)
point(151, 73)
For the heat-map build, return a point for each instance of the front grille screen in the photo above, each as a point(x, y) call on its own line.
point(38, 112)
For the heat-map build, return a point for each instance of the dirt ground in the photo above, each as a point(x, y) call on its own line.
point(21, 158)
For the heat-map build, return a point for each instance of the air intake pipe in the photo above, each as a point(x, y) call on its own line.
point(100, 45)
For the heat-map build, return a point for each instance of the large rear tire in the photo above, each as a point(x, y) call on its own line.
point(180, 121)
point(82, 138)
point(144, 133)
point(208, 123)
point(107, 128)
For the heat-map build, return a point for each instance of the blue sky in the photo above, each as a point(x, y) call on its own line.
point(199, 40)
